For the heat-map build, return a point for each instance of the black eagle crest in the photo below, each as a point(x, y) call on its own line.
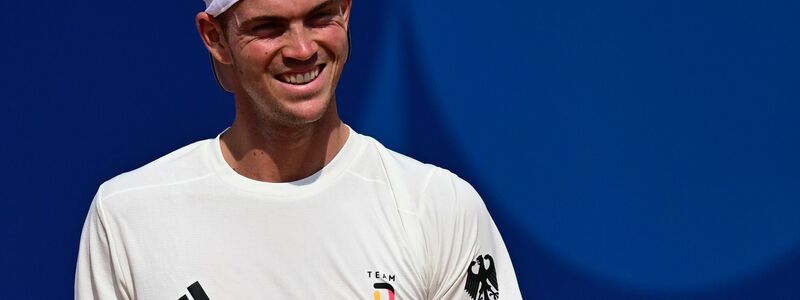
point(482, 279)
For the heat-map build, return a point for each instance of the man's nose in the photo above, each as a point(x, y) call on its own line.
point(300, 45)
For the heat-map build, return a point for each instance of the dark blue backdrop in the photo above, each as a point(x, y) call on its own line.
point(626, 149)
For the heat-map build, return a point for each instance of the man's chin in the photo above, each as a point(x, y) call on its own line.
point(290, 108)
point(304, 112)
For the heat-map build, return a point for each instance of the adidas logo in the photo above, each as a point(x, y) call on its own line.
point(196, 291)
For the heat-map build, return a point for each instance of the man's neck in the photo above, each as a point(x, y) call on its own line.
point(280, 153)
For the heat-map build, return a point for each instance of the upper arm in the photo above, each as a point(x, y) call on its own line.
point(96, 273)
point(459, 237)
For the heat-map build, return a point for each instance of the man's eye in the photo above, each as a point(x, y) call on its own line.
point(267, 26)
point(267, 29)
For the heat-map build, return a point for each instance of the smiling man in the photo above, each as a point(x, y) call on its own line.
point(289, 202)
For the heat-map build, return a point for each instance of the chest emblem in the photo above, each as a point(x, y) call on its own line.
point(383, 287)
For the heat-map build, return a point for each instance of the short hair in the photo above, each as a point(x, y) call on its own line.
point(224, 19)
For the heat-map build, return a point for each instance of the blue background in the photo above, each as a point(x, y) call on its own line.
point(626, 149)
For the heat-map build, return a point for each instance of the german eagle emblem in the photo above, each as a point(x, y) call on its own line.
point(482, 279)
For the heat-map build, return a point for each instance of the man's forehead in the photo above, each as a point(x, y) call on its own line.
point(278, 8)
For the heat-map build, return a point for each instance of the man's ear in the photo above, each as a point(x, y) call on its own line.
point(213, 36)
point(345, 9)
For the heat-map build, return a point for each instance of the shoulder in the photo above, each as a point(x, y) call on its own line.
point(399, 167)
point(448, 194)
point(421, 187)
point(179, 166)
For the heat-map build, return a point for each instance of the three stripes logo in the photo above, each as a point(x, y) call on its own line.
point(196, 291)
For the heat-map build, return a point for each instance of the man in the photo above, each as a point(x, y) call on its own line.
point(289, 202)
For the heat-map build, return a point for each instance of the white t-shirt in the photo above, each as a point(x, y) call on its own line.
point(372, 224)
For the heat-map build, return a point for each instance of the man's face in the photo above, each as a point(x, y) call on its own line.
point(288, 55)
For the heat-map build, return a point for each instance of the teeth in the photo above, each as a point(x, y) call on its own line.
point(301, 78)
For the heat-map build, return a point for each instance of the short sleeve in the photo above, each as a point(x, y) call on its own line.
point(96, 276)
point(464, 252)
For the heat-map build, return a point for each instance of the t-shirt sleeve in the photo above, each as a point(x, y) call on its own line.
point(466, 256)
point(96, 274)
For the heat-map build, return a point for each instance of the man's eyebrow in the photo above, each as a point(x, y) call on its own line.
point(271, 18)
point(323, 6)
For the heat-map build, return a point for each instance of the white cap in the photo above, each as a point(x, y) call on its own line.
point(216, 7)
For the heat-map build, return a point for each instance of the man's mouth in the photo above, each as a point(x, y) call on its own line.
point(301, 78)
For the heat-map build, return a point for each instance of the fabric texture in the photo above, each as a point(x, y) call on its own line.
point(216, 7)
point(372, 224)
